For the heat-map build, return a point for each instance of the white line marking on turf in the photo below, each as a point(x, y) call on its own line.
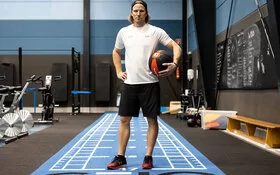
point(132, 156)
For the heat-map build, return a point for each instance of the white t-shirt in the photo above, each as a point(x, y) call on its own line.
point(140, 43)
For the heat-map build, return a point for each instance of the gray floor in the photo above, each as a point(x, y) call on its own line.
point(231, 155)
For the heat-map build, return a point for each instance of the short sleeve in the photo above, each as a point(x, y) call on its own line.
point(164, 38)
point(119, 44)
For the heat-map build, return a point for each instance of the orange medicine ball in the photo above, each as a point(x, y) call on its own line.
point(157, 59)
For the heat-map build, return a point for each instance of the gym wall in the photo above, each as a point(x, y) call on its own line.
point(58, 25)
point(104, 28)
point(259, 104)
point(46, 32)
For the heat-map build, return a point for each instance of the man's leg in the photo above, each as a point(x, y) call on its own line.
point(124, 134)
point(151, 134)
point(119, 161)
point(151, 141)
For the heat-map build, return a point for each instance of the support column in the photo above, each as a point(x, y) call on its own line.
point(86, 63)
point(205, 21)
point(185, 61)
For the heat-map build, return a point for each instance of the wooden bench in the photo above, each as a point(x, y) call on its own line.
point(272, 138)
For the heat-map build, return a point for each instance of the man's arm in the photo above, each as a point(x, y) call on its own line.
point(176, 57)
point(177, 51)
point(117, 63)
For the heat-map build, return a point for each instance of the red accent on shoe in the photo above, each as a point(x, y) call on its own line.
point(147, 166)
point(113, 166)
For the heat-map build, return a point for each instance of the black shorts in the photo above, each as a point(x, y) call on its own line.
point(146, 96)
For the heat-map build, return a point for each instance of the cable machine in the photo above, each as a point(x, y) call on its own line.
point(76, 83)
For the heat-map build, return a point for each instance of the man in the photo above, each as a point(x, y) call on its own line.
point(141, 88)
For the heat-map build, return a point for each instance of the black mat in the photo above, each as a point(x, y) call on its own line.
point(25, 155)
point(231, 155)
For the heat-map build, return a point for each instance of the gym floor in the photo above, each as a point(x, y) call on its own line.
point(231, 155)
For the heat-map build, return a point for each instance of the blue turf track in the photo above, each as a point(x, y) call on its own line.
point(91, 150)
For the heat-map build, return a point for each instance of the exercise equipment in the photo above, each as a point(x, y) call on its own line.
point(14, 122)
point(157, 59)
point(47, 99)
point(3, 128)
point(76, 86)
point(191, 104)
point(27, 120)
point(76, 92)
point(17, 92)
point(4, 125)
point(195, 118)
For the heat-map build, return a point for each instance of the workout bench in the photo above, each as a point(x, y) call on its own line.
point(272, 138)
point(76, 105)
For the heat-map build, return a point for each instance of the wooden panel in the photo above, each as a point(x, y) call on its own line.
point(255, 122)
point(233, 125)
point(273, 138)
point(251, 129)
point(272, 130)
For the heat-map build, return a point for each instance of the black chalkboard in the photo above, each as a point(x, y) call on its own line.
point(247, 62)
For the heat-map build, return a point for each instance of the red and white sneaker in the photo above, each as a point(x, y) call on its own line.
point(117, 163)
point(148, 162)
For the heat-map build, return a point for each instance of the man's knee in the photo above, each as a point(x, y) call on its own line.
point(152, 121)
point(125, 120)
